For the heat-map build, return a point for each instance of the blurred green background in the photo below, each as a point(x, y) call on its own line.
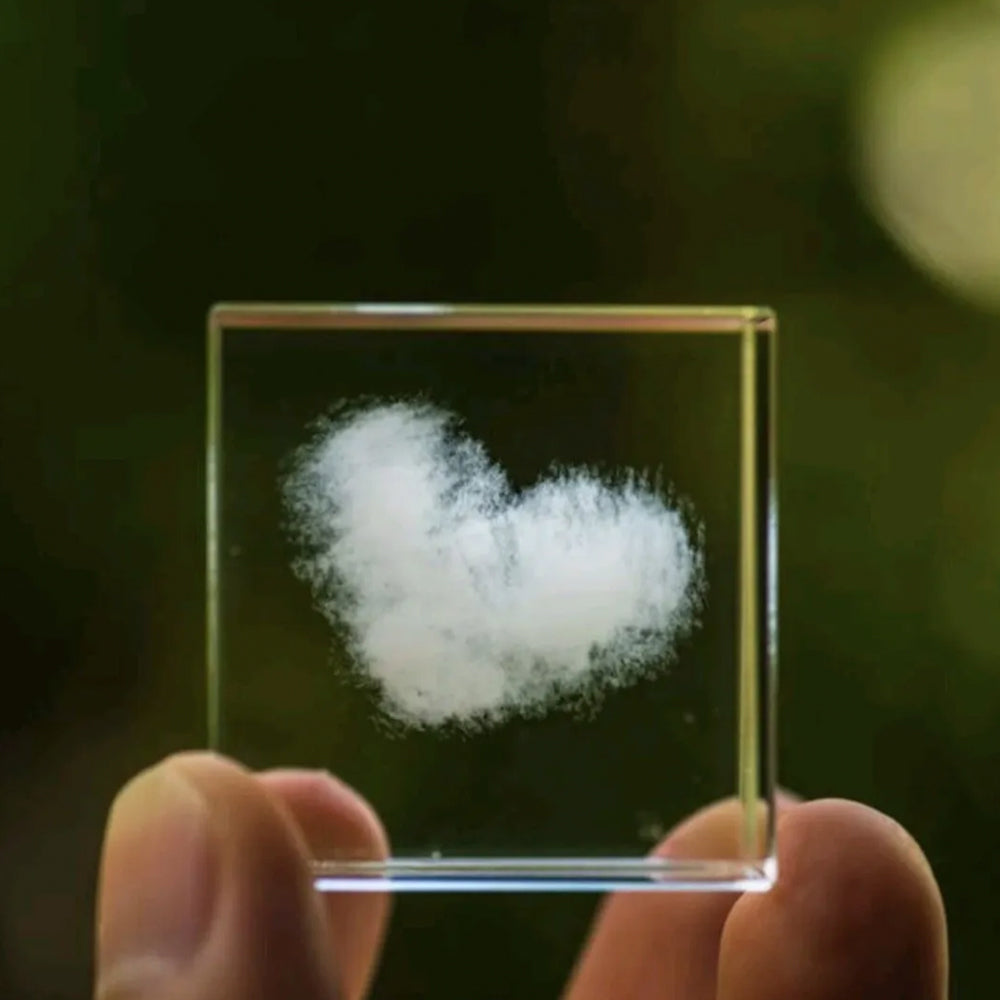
point(839, 162)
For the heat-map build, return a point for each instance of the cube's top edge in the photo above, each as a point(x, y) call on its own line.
point(570, 318)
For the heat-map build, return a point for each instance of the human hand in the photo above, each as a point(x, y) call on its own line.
point(205, 894)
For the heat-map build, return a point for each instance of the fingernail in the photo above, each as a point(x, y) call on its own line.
point(158, 880)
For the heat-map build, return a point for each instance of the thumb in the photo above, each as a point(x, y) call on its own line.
point(205, 892)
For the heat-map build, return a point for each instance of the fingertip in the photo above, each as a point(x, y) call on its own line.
point(153, 919)
point(661, 945)
point(268, 900)
point(338, 824)
point(855, 912)
point(195, 824)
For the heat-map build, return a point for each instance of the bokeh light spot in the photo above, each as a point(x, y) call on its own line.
point(928, 127)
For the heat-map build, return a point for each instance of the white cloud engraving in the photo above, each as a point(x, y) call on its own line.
point(468, 603)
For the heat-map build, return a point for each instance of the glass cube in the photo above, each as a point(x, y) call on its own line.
point(510, 571)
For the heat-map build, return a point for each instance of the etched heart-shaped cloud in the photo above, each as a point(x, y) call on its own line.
point(467, 602)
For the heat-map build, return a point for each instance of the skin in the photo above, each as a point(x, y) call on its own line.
point(232, 914)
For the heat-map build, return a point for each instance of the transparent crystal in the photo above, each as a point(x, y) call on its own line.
point(510, 572)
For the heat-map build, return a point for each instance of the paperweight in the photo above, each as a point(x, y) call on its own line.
point(510, 571)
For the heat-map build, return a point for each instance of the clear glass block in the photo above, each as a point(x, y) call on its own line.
point(510, 571)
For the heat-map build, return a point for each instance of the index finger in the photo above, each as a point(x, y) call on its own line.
point(333, 818)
